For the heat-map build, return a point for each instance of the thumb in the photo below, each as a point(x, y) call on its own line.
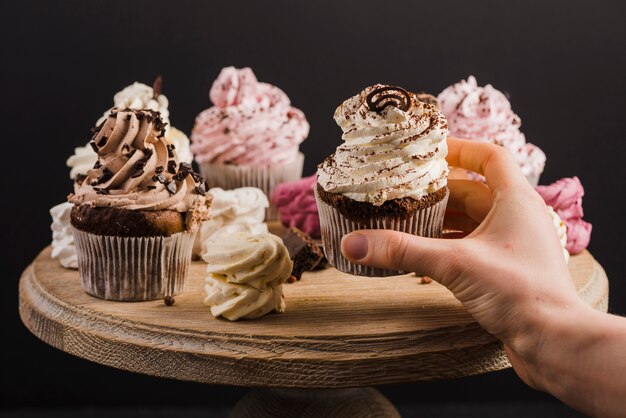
point(395, 250)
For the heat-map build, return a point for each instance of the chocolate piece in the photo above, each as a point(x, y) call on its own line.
point(97, 165)
point(171, 187)
point(106, 176)
point(196, 177)
point(378, 99)
point(200, 190)
point(103, 141)
point(185, 166)
point(159, 169)
point(180, 176)
point(160, 178)
point(171, 166)
point(169, 300)
point(303, 251)
point(94, 146)
point(101, 190)
point(127, 223)
point(170, 150)
point(363, 212)
point(157, 86)
point(137, 173)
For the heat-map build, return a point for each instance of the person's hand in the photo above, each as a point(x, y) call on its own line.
point(509, 271)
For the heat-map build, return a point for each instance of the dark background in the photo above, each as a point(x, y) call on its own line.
point(562, 62)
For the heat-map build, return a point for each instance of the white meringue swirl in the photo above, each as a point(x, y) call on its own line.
point(246, 274)
point(63, 246)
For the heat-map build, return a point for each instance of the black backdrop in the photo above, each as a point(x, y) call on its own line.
point(562, 62)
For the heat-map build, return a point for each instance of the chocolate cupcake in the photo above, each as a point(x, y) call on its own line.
point(136, 212)
point(390, 173)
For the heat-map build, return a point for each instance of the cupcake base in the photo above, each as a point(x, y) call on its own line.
point(426, 222)
point(231, 176)
point(133, 268)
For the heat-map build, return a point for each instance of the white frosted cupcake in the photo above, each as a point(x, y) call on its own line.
point(232, 211)
point(390, 172)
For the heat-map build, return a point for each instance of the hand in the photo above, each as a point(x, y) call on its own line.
point(509, 272)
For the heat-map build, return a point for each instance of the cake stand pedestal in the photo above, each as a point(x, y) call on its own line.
point(339, 336)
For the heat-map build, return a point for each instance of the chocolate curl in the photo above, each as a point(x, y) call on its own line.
point(157, 86)
point(378, 99)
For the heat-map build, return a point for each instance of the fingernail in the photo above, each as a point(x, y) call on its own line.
point(354, 246)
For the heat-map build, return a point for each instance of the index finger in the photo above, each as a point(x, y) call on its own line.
point(492, 161)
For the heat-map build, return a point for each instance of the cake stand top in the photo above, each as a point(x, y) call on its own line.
point(338, 330)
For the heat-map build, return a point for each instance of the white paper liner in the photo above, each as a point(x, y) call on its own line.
point(266, 177)
point(427, 222)
point(133, 268)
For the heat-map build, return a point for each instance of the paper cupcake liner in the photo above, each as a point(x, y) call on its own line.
point(427, 222)
point(266, 177)
point(135, 268)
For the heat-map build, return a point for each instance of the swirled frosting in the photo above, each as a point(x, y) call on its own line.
point(138, 170)
point(566, 197)
point(245, 275)
point(297, 206)
point(81, 161)
point(485, 114)
point(232, 211)
point(63, 246)
point(135, 96)
point(139, 96)
point(390, 153)
point(251, 123)
point(561, 230)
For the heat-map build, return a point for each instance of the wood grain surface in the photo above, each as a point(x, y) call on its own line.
point(338, 330)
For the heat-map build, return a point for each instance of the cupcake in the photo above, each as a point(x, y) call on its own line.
point(250, 137)
point(390, 173)
point(136, 212)
point(296, 205)
point(63, 246)
point(485, 114)
point(566, 197)
point(232, 211)
point(246, 273)
point(135, 96)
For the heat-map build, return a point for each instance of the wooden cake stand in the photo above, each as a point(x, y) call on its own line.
point(339, 331)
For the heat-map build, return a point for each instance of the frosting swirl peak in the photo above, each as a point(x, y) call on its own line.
point(137, 169)
point(251, 123)
point(394, 147)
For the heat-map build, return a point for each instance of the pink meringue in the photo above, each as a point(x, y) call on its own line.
point(297, 206)
point(485, 114)
point(565, 196)
point(251, 123)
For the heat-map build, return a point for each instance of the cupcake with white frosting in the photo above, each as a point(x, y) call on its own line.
point(390, 172)
point(232, 211)
point(245, 275)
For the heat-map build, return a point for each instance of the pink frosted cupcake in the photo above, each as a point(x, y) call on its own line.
point(250, 137)
point(297, 206)
point(485, 114)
